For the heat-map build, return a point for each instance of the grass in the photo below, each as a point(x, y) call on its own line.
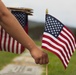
point(55, 66)
point(6, 58)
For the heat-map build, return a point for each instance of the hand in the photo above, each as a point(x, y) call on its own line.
point(39, 56)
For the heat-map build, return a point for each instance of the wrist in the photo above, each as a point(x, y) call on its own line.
point(32, 47)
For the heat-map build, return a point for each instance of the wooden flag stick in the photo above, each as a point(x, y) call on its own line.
point(47, 69)
point(46, 11)
point(46, 64)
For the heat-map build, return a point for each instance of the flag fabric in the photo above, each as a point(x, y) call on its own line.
point(57, 38)
point(7, 43)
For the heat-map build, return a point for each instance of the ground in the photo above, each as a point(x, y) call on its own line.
point(22, 65)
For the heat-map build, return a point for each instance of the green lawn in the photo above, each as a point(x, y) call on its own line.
point(55, 66)
point(6, 58)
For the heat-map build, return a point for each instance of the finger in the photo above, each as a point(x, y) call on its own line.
point(41, 61)
point(45, 59)
point(37, 61)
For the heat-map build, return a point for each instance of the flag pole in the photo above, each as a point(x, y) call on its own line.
point(46, 64)
point(46, 69)
point(46, 11)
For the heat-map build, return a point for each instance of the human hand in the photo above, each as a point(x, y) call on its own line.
point(39, 56)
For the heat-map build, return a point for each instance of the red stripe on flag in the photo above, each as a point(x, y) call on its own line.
point(12, 45)
point(26, 28)
point(9, 44)
point(17, 47)
point(22, 49)
point(5, 41)
point(0, 37)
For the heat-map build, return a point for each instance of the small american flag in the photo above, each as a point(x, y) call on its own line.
point(7, 43)
point(57, 38)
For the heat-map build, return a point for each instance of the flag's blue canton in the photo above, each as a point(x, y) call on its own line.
point(53, 26)
point(21, 17)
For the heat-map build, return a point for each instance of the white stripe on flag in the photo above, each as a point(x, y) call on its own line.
point(2, 41)
point(19, 48)
point(11, 41)
point(15, 46)
point(6, 44)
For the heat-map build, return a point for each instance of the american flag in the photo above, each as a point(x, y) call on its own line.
point(57, 38)
point(7, 43)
